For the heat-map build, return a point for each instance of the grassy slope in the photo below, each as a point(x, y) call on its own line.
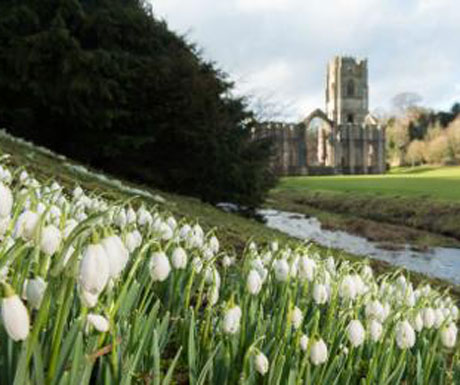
point(420, 205)
point(233, 231)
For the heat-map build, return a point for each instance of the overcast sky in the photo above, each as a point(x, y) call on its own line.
point(279, 49)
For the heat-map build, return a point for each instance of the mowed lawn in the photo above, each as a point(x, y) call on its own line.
point(440, 183)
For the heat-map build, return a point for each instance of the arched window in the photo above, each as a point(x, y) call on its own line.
point(350, 88)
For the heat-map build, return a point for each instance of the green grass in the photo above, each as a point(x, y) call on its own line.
point(437, 183)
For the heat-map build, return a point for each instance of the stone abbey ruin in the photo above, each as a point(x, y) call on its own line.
point(345, 139)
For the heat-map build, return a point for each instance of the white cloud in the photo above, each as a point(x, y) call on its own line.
point(281, 47)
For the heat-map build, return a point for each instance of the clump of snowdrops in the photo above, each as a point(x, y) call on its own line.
point(101, 292)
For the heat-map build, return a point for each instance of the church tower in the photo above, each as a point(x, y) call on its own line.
point(347, 96)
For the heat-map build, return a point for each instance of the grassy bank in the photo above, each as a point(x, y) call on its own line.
point(420, 206)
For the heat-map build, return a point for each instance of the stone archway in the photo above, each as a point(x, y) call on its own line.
point(318, 139)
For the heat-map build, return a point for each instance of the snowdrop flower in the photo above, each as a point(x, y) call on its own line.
point(355, 333)
point(77, 192)
point(88, 299)
point(449, 335)
point(133, 240)
point(23, 176)
point(15, 316)
point(297, 318)
point(438, 318)
point(281, 268)
point(261, 363)
point(258, 265)
point(454, 312)
point(166, 232)
point(171, 222)
point(227, 261)
point(375, 330)
point(254, 282)
point(304, 342)
point(6, 201)
point(34, 291)
point(131, 216)
point(348, 288)
point(144, 218)
point(320, 293)
point(159, 266)
point(405, 335)
point(212, 276)
point(184, 231)
point(274, 246)
point(307, 267)
point(197, 264)
point(50, 240)
point(100, 323)
point(179, 258)
point(214, 244)
point(367, 272)
point(231, 323)
point(374, 310)
point(26, 225)
point(117, 254)
point(120, 219)
point(318, 352)
point(94, 269)
point(428, 317)
point(417, 322)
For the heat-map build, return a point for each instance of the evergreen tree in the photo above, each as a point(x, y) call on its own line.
point(107, 83)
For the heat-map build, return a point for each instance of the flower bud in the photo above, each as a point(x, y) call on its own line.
point(231, 323)
point(307, 267)
point(254, 282)
point(304, 342)
point(449, 335)
point(281, 269)
point(100, 323)
point(375, 330)
point(179, 258)
point(159, 266)
point(34, 291)
point(261, 363)
point(355, 333)
point(318, 352)
point(320, 293)
point(15, 317)
point(297, 318)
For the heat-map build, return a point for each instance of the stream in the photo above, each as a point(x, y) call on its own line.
point(438, 262)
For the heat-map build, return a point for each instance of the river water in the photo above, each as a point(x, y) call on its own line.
point(438, 262)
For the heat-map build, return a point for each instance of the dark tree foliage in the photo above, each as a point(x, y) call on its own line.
point(107, 83)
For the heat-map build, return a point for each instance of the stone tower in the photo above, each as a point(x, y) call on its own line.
point(347, 98)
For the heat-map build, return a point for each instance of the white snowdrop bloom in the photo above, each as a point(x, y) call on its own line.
point(214, 244)
point(417, 322)
point(405, 335)
point(179, 258)
point(320, 293)
point(281, 269)
point(449, 335)
point(172, 223)
point(212, 276)
point(94, 269)
point(261, 363)
point(258, 265)
point(428, 317)
point(197, 264)
point(50, 239)
point(367, 272)
point(361, 288)
point(133, 240)
point(227, 261)
point(375, 330)
point(254, 282)
point(297, 317)
point(409, 298)
point(69, 227)
point(445, 312)
point(231, 322)
point(120, 219)
point(99, 322)
point(166, 232)
point(330, 265)
point(454, 312)
point(184, 231)
point(15, 318)
point(34, 291)
point(348, 288)
point(117, 254)
point(4, 224)
point(252, 246)
point(26, 225)
point(304, 343)
point(374, 310)
point(144, 218)
point(55, 186)
point(207, 253)
point(401, 283)
point(88, 299)
point(274, 246)
point(6, 201)
point(307, 267)
point(318, 352)
point(23, 176)
point(159, 266)
point(77, 192)
point(131, 216)
point(355, 333)
point(438, 318)
point(198, 231)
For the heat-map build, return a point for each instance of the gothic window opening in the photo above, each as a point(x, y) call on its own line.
point(350, 88)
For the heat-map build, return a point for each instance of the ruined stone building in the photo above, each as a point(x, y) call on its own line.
point(345, 139)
